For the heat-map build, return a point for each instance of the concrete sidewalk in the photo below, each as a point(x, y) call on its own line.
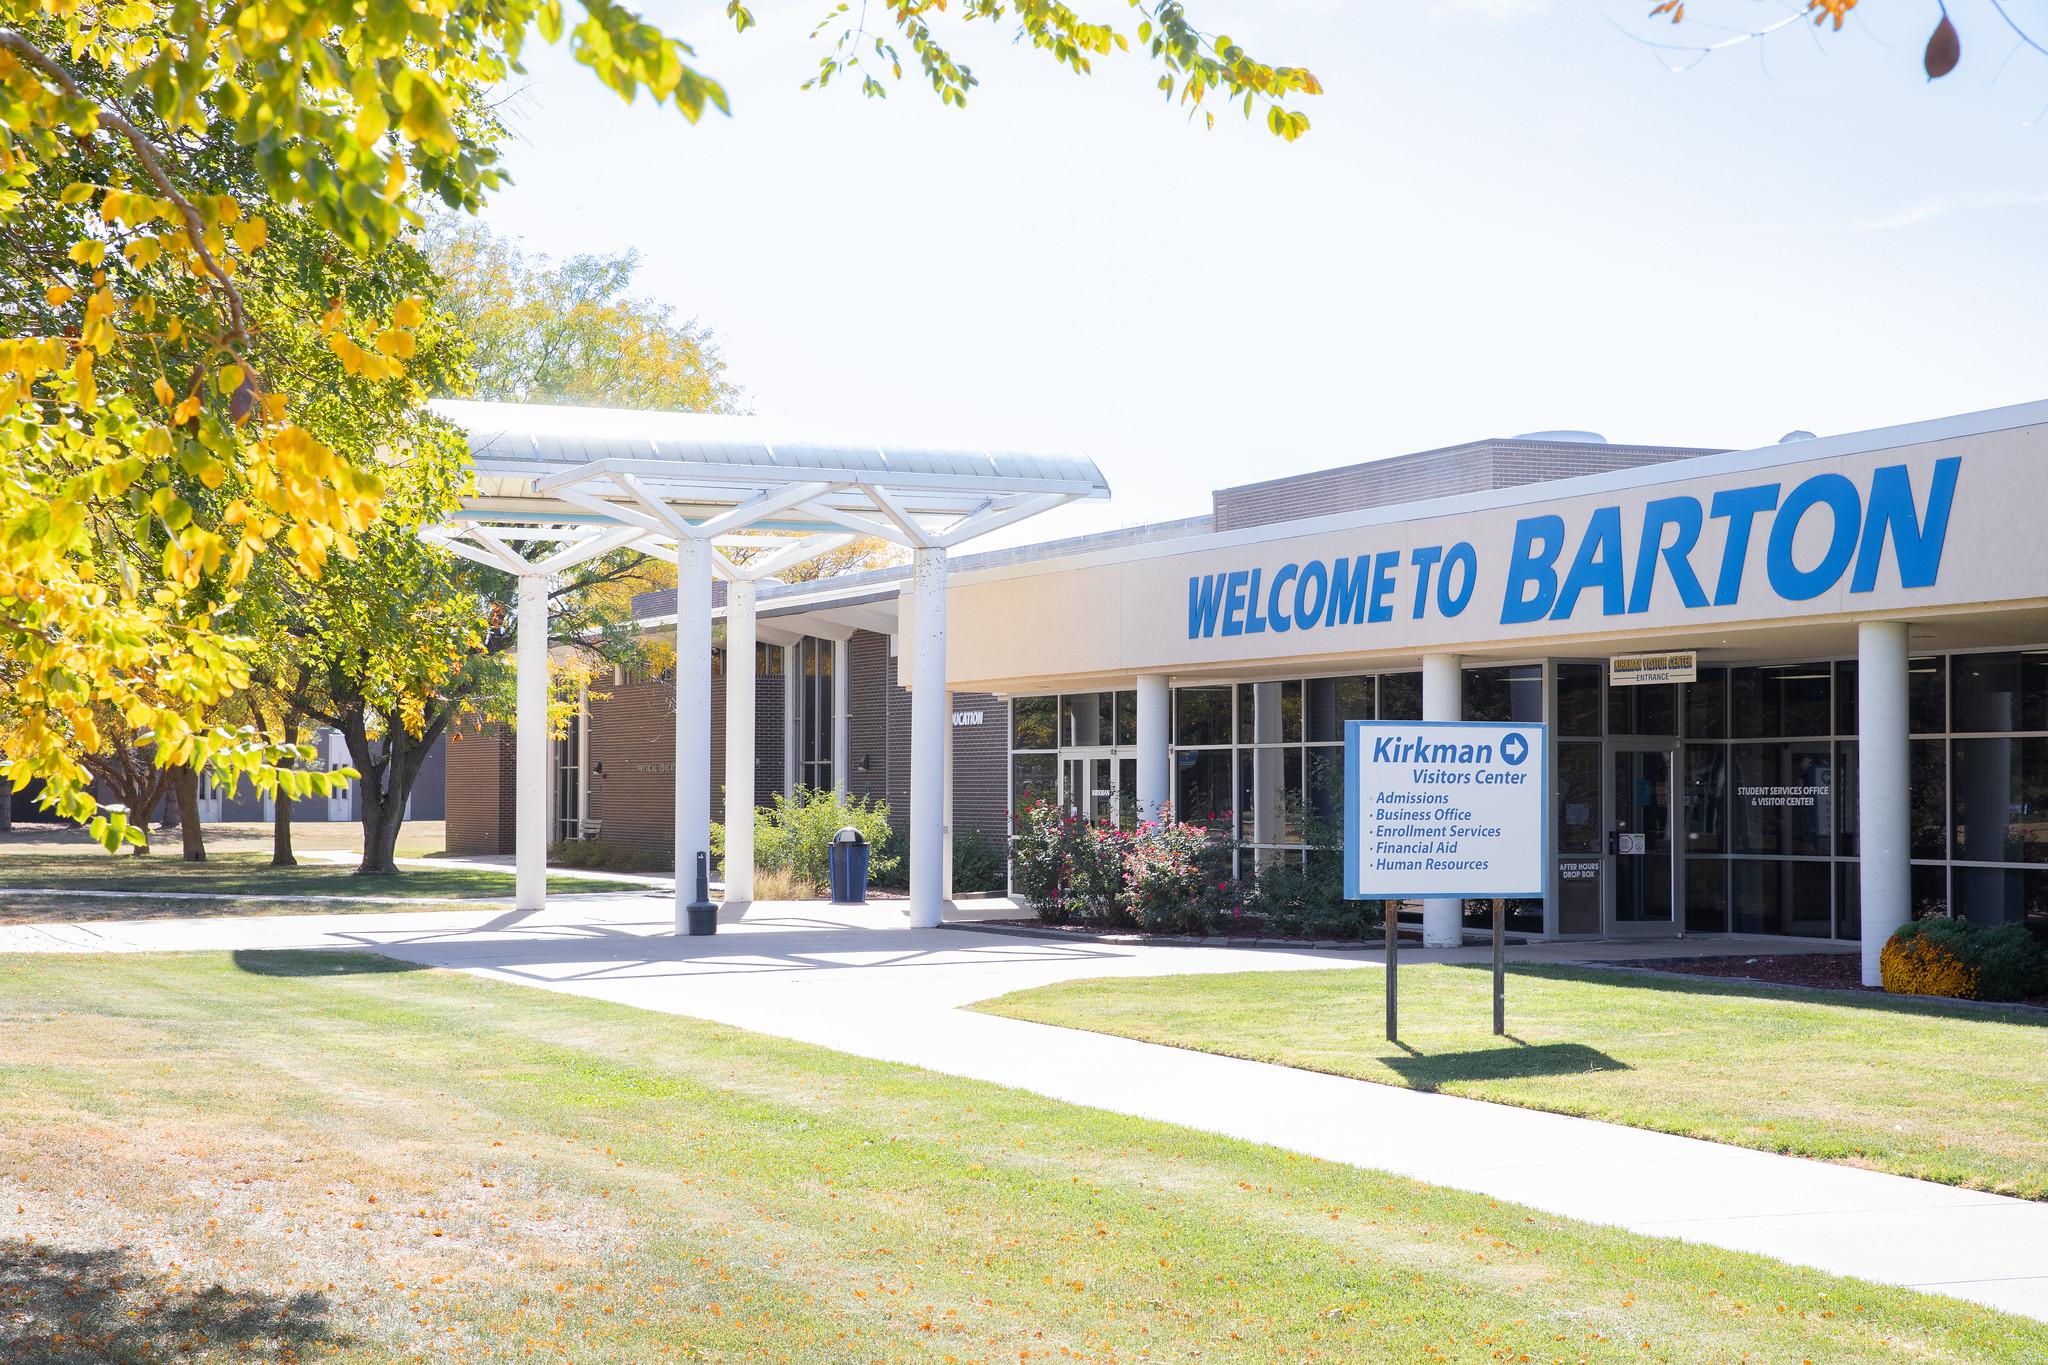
point(855, 979)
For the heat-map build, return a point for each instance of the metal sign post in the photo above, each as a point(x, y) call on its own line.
point(1500, 975)
point(1444, 809)
point(1393, 919)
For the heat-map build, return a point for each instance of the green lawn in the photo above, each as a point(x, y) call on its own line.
point(238, 874)
point(273, 1155)
point(1941, 1092)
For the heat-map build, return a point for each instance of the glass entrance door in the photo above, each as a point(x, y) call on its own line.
point(1642, 867)
point(1090, 785)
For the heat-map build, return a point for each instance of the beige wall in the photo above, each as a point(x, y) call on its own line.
point(1122, 613)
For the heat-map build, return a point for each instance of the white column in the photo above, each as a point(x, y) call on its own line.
point(1443, 698)
point(1155, 760)
point(929, 721)
point(791, 721)
point(1884, 772)
point(693, 718)
point(739, 743)
point(946, 861)
point(530, 752)
point(842, 716)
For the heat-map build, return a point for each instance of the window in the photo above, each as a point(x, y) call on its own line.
point(1264, 761)
point(1579, 821)
point(1578, 700)
point(1400, 696)
point(1706, 705)
point(767, 661)
point(1201, 787)
point(1201, 716)
point(1650, 709)
point(1999, 798)
point(814, 713)
point(1034, 723)
point(569, 782)
point(2000, 692)
point(1332, 701)
point(1504, 695)
point(1088, 720)
point(1787, 701)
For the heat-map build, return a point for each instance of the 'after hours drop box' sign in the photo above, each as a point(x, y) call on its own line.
point(1443, 808)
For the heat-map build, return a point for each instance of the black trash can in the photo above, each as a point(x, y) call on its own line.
point(847, 866)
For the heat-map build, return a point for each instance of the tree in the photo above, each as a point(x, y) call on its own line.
point(123, 766)
point(569, 332)
point(131, 380)
point(406, 641)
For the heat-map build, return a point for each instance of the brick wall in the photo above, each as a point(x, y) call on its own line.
point(480, 787)
point(1475, 466)
point(633, 735)
point(633, 741)
point(868, 696)
point(981, 766)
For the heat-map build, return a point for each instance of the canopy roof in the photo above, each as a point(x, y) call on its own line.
point(565, 465)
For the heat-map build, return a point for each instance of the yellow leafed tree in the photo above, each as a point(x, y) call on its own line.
point(148, 462)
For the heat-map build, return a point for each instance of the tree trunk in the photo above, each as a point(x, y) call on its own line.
point(386, 786)
point(187, 782)
point(380, 837)
point(281, 854)
point(281, 808)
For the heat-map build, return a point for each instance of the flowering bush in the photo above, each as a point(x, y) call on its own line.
point(1953, 957)
point(1170, 877)
point(1071, 871)
point(1165, 882)
point(1920, 966)
point(1037, 862)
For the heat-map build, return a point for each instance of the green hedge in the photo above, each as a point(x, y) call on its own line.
point(601, 855)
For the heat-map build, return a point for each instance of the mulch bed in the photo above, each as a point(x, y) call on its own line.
point(1246, 935)
point(1828, 971)
point(1824, 971)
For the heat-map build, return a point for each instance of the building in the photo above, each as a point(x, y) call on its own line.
point(1866, 737)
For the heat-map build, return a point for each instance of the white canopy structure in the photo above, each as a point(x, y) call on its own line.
point(559, 485)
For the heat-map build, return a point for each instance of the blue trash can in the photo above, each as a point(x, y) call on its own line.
point(847, 866)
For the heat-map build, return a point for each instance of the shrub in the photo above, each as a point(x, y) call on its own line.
point(1955, 958)
point(794, 835)
point(1164, 877)
point(977, 862)
point(601, 855)
point(1157, 877)
point(1037, 862)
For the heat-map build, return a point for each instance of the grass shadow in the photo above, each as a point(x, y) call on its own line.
point(1428, 1071)
point(67, 1307)
point(319, 962)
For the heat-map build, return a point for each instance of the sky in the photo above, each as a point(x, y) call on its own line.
point(1510, 216)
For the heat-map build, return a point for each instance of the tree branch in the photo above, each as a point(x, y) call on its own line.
point(152, 163)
